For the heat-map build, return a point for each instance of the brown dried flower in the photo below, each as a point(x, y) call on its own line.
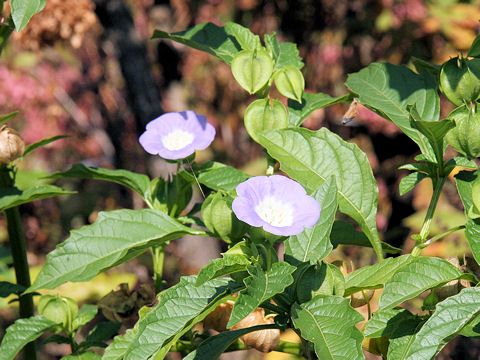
point(12, 145)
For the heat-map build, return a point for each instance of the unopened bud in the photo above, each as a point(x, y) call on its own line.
point(12, 145)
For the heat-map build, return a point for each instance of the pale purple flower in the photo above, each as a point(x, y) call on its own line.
point(177, 135)
point(278, 204)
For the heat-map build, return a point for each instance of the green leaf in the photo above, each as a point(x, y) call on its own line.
point(226, 265)
point(424, 66)
point(137, 182)
point(422, 168)
point(435, 131)
point(206, 37)
point(374, 276)
point(87, 355)
point(310, 157)
point(310, 102)
point(409, 182)
point(34, 146)
point(329, 322)
point(252, 69)
point(11, 197)
point(178, 309)
point(388, 89)
point(415, 277)
point(344, 233)
point(21, 332)
point(475, 48)
point(384, 322)
point(7, 289)
point(259, 287)
point(265, 114)
point(450, 317)
point(465, 181)
point(402, 337)
point(23, 10)
point(116, 236)
point(103, 331)
point(463, 162)
point(214, 346)
point(283, 53)
point(7, 117)
point(313, 244)
point(217, 176)
point(243, 35)
point(316, 280)
point(118, 348)
point(86, 313)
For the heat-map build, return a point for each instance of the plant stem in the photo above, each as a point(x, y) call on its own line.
point(5, 30)
point(158, 255)
point(429, 216)
point(19, 256)
point(441, 235)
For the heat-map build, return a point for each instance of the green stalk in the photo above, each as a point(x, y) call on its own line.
point(429, 216)
point(19, 255)
point(158, 255)
point(5, 30)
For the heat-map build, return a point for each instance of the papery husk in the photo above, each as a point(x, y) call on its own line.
point(218, 318)
point(12, 145)
point(262, 340)
point(359, 299)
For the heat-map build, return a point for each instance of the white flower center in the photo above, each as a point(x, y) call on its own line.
point(275, 212)
point(177, 139)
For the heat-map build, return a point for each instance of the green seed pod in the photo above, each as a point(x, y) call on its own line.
point(220, 219)
point(290, 82)
point(61, 310)
point(252, 69)
point(460, 80)
point(265, 114)
point(465, 136)
point(474, 211)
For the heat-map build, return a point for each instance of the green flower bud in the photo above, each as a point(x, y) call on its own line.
point(220, 219)
point(61, 310)
point(465, 136)
point(252, 69)
point(290, 83)
point(460, 80)
point(169, 196)
point(265, 114)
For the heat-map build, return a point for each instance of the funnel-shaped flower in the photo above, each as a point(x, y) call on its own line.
point(278, 204)
point(177, 135)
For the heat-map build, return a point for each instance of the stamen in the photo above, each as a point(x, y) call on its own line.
point(275, 212)
point(177, 139)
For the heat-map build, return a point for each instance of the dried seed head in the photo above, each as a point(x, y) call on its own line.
point(12, 145)
point(218, 318)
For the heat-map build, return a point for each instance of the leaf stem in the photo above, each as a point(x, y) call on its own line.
point(19, 255)
point(158, 256)
point(429, 216)
point(441, 235)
